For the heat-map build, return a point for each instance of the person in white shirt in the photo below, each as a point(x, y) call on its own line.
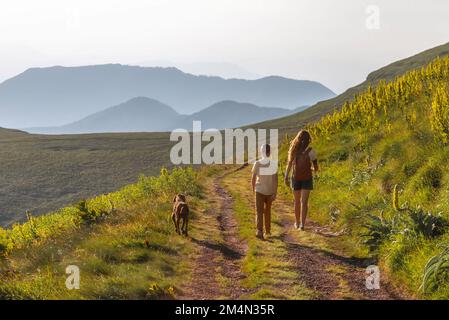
point(265, 189)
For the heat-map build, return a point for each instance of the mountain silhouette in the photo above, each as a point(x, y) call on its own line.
point(57, 95)
point(231, 114)
point(143, 114)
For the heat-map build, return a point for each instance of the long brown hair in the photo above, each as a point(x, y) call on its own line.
point(300, 142)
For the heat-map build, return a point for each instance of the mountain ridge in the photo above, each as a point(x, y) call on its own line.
point(143, 114)
point(58, 95)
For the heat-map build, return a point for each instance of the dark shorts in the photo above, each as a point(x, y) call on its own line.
point(302, 185)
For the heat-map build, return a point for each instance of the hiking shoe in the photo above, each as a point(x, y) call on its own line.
point(301, 227)
point(259, 235)
point(296, 225)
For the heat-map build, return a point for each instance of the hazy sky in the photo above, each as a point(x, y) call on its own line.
point(334, 42)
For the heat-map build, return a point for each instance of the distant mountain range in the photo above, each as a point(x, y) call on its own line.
point(57, 95)
point(143, 114)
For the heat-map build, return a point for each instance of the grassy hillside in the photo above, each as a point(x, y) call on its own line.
point(43, 173)
point(122, 243)
point(384, 178)
point(387, 73)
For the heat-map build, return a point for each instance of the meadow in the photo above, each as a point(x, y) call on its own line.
point(122, 241)
point(43, 173)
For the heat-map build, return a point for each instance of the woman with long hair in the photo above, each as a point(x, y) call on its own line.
point(303, 159)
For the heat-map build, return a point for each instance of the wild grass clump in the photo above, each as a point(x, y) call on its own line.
point(436, 271)
point(37, 229)
point(155, 292)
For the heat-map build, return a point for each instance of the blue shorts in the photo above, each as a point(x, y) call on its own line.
point(302, 185)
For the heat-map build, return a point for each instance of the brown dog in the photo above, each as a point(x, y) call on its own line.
point(180, 211)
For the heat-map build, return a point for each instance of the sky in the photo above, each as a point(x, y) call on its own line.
point(334, 42)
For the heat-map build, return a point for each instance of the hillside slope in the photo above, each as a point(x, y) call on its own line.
point(384, 176)
point(388, 73)
point(60, 95)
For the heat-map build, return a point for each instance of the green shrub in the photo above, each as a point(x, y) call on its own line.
point(428, 177)
point(428, 224)
point(432, 177)
point(411, 167)
point(378, 229)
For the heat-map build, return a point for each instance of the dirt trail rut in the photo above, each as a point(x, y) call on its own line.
point(332, 275)
point(217, 272)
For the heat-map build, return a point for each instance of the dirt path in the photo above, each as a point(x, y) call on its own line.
point(217, 272)
point(331, 275)
point(313, 255)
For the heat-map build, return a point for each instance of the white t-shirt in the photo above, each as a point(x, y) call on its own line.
point(266, 184)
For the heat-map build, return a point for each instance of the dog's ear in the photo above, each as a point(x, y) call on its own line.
point(174, 199)
point(182, 197)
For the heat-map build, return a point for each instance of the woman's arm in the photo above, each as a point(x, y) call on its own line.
point(287, 172)
point(253, 182)
point(315, 165)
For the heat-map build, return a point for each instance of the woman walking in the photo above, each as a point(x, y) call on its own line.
point(301, 157)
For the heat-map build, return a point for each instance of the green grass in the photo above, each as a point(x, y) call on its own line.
point(131, 253)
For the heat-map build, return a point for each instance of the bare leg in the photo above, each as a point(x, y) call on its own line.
point(174, 222)
point(267, 216)
point(304, 205)
point(177, 225)
point(187, 226)
point(297, 195)
point(259, 214)
point(183, 225)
